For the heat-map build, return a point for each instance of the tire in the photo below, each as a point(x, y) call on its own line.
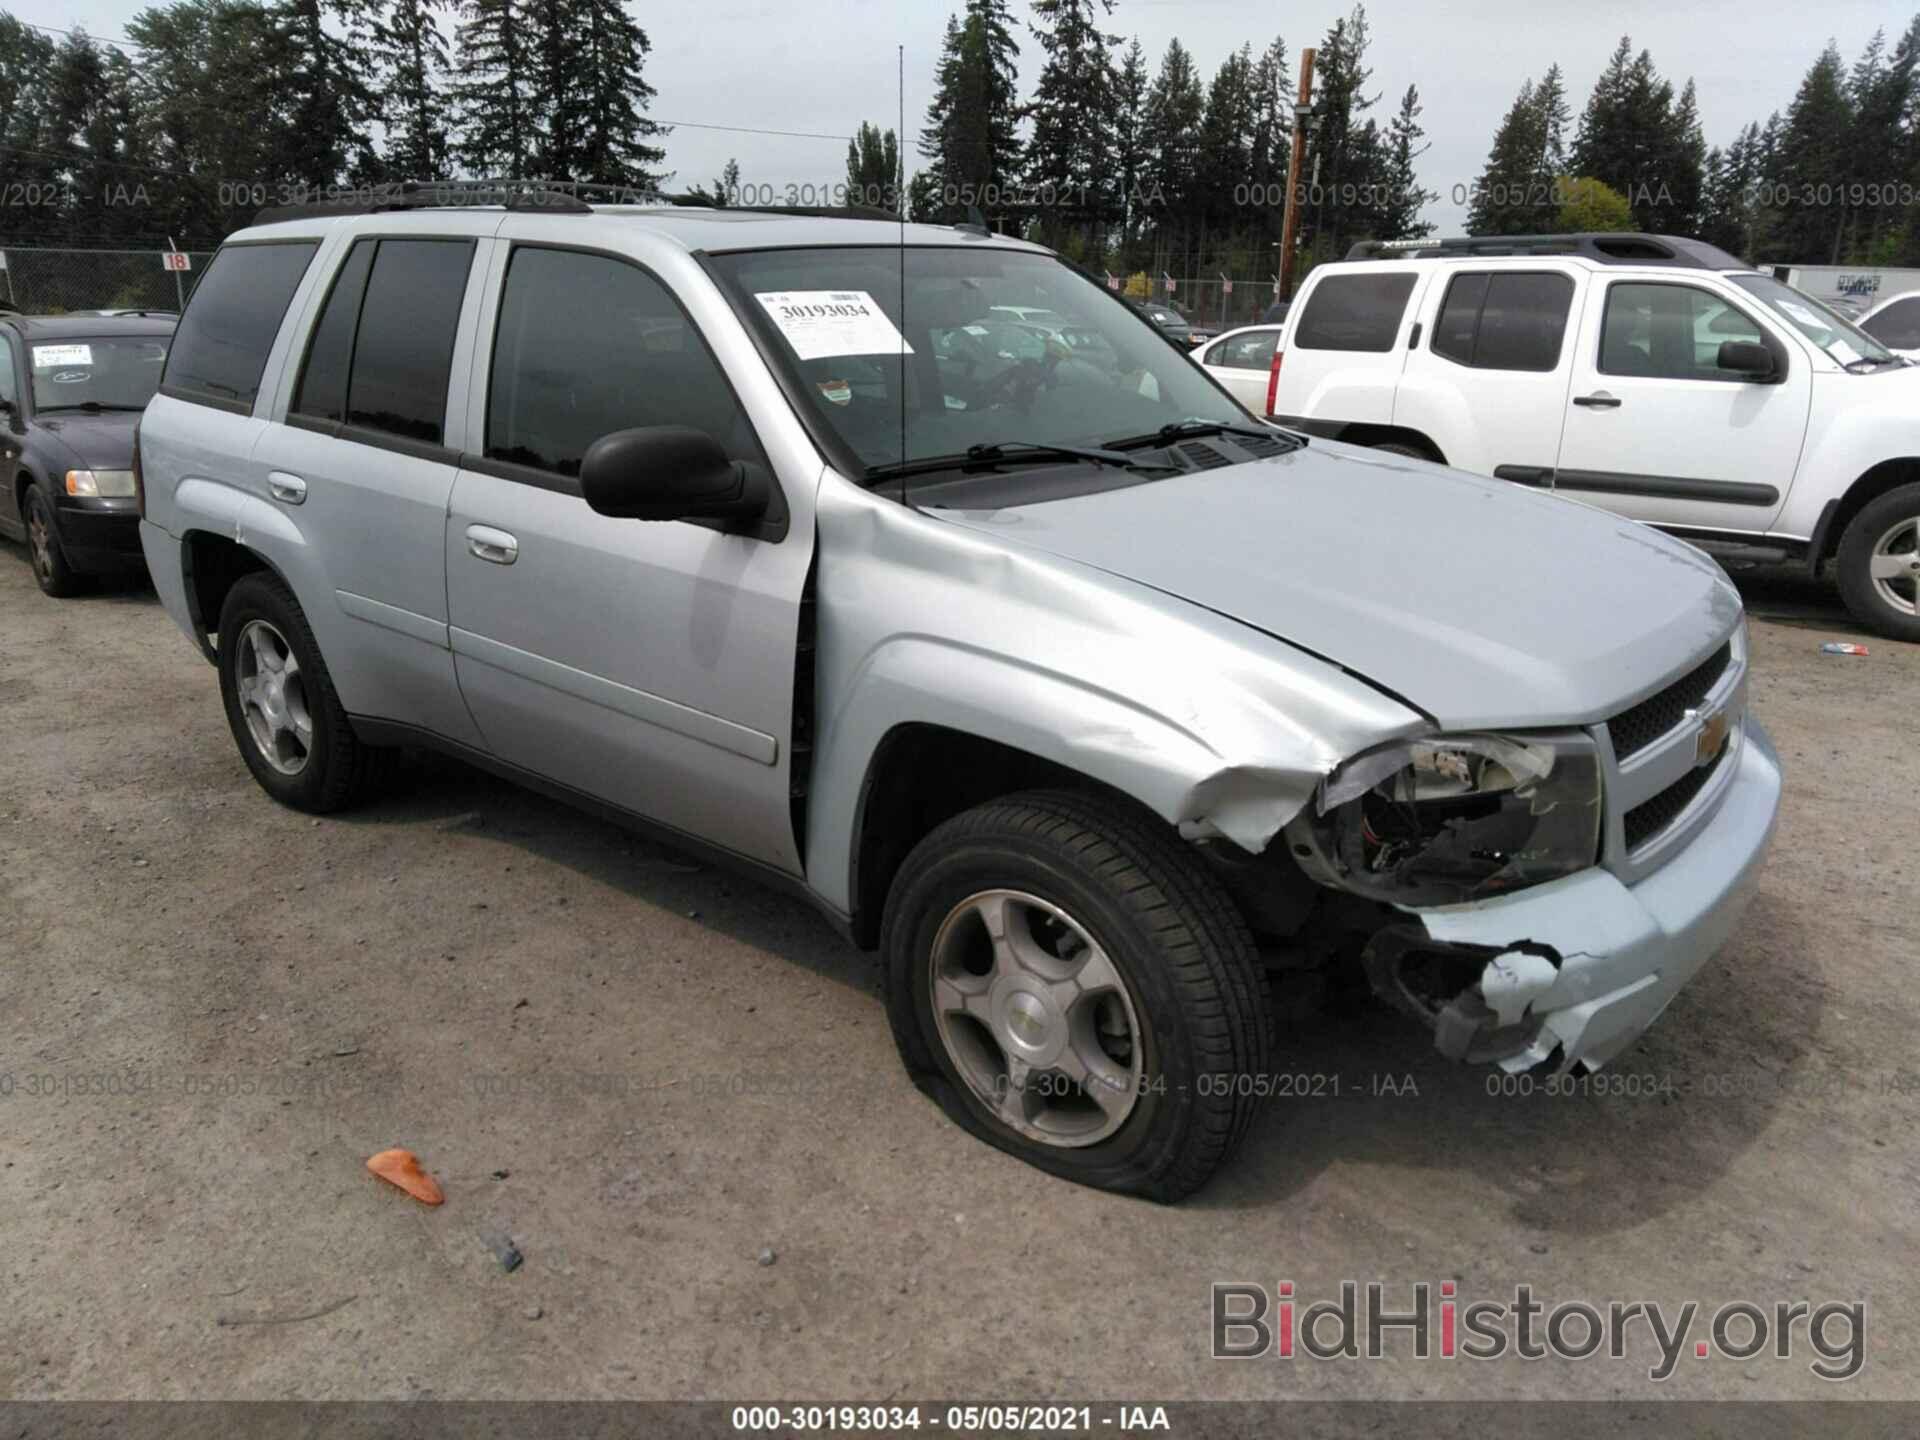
point(1088, 877)
point(1885, 534)
point(51, 571)
point(331, 768)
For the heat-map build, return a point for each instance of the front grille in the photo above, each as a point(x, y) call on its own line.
point(1636, 728)
point(1650, 817)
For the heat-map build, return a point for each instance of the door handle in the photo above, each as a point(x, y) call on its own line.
point(1599, 400)
point(288, 489)
point(496, 547)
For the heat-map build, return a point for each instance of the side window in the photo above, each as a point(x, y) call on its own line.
point(383, 350)
point(1670, 332)
point(1459, 318)
point(1504, 321)
point(1898, 326)
point(587, 345)
point(323, 381)
point(6, 369)
point(1353, 312)
point(1252, 351)
point(221, 345)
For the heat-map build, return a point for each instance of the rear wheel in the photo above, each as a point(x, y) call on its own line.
point(1072, 985)
point(50, 568)
point(1879, 564)
point(288, 722)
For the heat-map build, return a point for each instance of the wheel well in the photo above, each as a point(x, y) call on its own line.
point(212, 564)
point(1391, 435)
point(920, 776)
point(1887, 475)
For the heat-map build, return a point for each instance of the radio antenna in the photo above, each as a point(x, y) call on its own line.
point(900, 205)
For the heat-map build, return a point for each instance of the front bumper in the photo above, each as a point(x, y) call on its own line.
point(99, 535)
point(1587, 963)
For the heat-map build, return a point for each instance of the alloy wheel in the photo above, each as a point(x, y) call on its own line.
point(1036, 1017)
point(1895, 566)
point(40, 540)
point(273, 697)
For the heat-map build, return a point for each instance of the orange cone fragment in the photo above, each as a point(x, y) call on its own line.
point(402, 1168)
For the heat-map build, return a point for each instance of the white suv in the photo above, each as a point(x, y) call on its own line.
point(1657, 377)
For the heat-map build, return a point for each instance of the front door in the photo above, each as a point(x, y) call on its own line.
point(1657, 431)
point(648, 664)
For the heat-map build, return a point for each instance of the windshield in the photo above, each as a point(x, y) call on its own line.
point(1001, 347)
point(1839, 338)
point(104, 372)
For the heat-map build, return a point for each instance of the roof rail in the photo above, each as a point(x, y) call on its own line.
point(553, 197)
point(1609, 247)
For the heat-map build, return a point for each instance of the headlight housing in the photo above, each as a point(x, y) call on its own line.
point(101, 484)
point(1453, 818)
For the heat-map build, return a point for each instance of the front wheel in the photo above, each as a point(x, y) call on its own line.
point(51, 571)
point(1072, 985)
point(1879, 564)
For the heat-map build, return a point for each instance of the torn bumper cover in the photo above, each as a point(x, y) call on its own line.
point(1582, 965)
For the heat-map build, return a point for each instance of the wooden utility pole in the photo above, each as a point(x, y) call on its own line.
point(1292, 214)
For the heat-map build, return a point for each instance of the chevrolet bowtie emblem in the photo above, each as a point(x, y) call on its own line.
point(1711, 740)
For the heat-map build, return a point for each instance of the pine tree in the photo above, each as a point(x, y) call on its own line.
point(1503, 197)
point(329, 85)
point(1069, 157)
point(1226, 130)
point(1812, 163)
point(1271, 139)
point(1175, 105)
point(971, 136)
point(1884, 91)
point(494, 96)
point(1636, 138)
point(1402, 196)
point(1346, 150)
point(1130, 138)
point(416, 98)
point(614, 141)
point(873, 168)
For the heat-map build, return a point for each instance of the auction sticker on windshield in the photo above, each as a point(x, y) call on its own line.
point(45, 357)
point(824, 323)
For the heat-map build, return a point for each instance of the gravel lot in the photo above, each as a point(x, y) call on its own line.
point(212, 1010)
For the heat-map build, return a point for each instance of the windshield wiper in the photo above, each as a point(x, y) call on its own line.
point(1007, 452)
point(1193, 429)
point(92, 407)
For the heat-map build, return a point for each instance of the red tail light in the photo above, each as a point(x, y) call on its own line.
point(1273, 382)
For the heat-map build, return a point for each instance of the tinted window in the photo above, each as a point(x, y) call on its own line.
point(1898, 326)
point(403, 352)
point(323, 381)
point(235, 311)
point(7, 391)
point(1354, 312)
point(1670, 332)
point(1459, 318)
point(587, 345)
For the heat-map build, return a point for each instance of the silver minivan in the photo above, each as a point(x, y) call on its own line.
point(1095, 704)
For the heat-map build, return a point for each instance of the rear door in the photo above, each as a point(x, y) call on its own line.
point(1655, 430)
point(1488, 382)
point(1344, 346)
point(1242, 363)
point(365, 459)
point(647, 664)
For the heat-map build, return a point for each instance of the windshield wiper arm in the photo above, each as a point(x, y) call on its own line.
point(1192, 429)
point(1009, 452)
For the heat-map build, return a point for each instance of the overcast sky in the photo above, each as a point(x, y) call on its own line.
point(826, 65)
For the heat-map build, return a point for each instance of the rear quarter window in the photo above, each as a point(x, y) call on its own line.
point(1353, 312)
point(220, 348)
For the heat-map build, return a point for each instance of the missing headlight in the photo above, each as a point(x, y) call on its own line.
point(1453, 818)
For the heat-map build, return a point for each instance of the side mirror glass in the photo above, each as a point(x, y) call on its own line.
point(669, 472)
point(1746, 357)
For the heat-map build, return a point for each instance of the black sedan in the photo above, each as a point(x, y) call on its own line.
point(71, 389)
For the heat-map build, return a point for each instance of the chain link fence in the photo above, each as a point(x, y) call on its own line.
point(54, 282)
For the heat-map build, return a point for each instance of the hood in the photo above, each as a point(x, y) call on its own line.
point(97, 442)
point(1481, 603)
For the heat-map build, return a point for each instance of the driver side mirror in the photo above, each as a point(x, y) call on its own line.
point(1747, 358)
point(669, 472)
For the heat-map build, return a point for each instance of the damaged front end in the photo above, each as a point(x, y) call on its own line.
point(1512, 936)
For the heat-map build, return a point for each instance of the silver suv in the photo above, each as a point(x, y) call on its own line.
point(1097, 705)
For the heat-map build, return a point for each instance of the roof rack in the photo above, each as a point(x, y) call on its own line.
point(553, 197)
point(1609, 247)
